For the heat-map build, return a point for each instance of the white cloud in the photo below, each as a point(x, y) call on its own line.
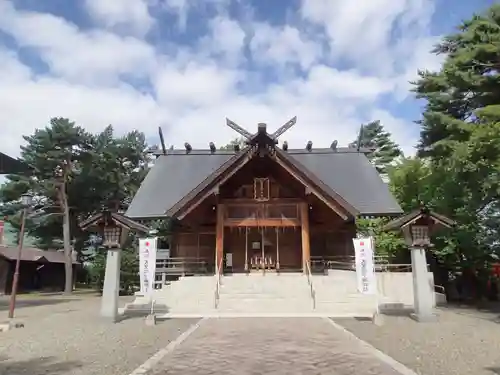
point(133, 14)
point(194, 86)
point(364, 33)
point(191, 88)
point(93, 56)
point(226, 40)
point(280, 46)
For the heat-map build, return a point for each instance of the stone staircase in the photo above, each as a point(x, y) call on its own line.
point(265, 294)
point(286, 294)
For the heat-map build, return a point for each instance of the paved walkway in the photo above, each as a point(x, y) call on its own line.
point(254, 346)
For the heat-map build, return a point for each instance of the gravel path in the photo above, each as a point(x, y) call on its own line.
point(459, 344)
point(65, 336)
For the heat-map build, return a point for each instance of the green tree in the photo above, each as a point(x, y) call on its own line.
point(105, 172)
point(373, 135)
point(460, 139)
point(129, 269)
point(387, 244)
point(467, 81)
point(235, 142)
point(56, 154)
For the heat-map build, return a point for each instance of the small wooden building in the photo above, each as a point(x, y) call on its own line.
point(10, 165)
point(39, 270)
point(262, 207)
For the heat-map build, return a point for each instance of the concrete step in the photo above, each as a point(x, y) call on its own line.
point(265, 306)
point(263, 296)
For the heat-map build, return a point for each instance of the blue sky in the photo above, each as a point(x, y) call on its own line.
point(188, 64)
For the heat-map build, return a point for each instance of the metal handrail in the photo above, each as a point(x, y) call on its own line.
point(348, 263)
point(440, 287)
point(309, 280)
point(217, 284)
point(182, 265)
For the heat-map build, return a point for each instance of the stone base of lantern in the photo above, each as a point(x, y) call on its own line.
point(111, 287)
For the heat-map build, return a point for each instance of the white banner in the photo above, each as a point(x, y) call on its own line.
point(365, 267)
point(147, 264)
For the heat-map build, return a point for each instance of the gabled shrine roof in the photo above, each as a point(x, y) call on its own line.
point(345, 171)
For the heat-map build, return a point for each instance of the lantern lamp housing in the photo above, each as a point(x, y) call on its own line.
point(420, 235)
point(112, 235)
point(26, 200)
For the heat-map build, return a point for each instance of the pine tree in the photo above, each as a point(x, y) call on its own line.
point(385, 150)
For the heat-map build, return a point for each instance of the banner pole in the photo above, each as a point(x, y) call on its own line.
point(377, 307)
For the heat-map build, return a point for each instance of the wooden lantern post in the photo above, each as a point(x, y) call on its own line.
point(417, 228)
point(114, 229)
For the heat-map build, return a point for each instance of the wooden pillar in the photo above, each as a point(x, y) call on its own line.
point(304, 221)
point(219, 237)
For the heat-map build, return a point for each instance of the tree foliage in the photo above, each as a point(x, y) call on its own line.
point(458, 168)
point(240, 141)
point(385, 150)
point(76, 174)
point(387, 244)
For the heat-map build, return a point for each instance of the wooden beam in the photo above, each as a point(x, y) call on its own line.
point(262, 223)
point(253, 202)
point(219, 239)
point(306, 247)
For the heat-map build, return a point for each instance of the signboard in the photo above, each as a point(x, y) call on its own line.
point(147, 264)
point(365, 268)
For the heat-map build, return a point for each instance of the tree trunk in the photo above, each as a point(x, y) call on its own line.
point(68, 258)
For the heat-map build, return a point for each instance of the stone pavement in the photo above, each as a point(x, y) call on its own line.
point(254, 346)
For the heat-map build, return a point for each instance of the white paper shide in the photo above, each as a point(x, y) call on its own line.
point(147, 264)
point(365, 270)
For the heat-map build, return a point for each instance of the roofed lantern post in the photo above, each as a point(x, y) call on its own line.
point(417, 228)
point(114, 229)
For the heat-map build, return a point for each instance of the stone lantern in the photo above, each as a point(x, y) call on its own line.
point(417, 227)
point(114, 229)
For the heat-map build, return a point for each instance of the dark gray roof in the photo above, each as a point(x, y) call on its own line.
point(351, 176)
point(171, 178)
point(345, 171)
point(32, 254)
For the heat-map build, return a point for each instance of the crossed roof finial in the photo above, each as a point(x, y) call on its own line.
point(249, 136)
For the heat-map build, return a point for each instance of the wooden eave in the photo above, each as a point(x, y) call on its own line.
point(117, 219)
point(211, 185)
point(416, 215)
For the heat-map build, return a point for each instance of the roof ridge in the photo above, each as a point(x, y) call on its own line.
point(319, 150)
